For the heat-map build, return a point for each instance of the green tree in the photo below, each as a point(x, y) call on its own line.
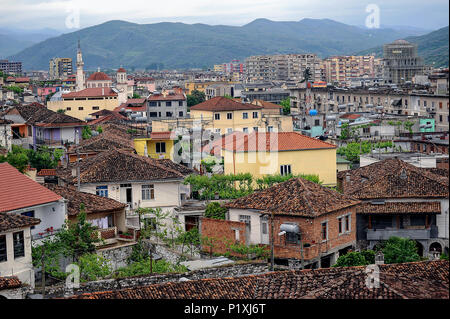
point(17, 158)
point(93, 267)
point(196, 97)
point(99, 129)
point(49, 252)
point(78, 238)
point(350, 259)
point(86, 133)
point(15, 89)
point(62, 111)
point(400, 250)
point(136, 96)
point(215, 210)
point(286, 104)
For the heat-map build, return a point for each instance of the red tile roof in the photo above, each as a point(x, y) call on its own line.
point(99, 76)
point(19, 191)
point(279, 141)
point(121, 70)
point(162, 135)
point(221, 103)
point(393, 178)
point(400, 208)
point(47, 172)
point(92, 202)
point(296, 196)
point(91, 92)
point(351, 116)
point(10, 221)
point(9, 283)
point(168, 97)
point(417, 280)
point(266, 105)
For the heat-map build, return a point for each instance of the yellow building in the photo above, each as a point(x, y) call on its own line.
point(82, 103)
point(159, 145)
point(279, 153)
point(222, 115)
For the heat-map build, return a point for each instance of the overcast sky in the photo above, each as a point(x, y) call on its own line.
point(58, 14)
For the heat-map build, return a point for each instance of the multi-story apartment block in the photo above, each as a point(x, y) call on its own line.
point(281, 67)
point(387, 101)
point(60, 68)
point(10, 67)
point(341, 69)
point(167, 105)
point(401, 62)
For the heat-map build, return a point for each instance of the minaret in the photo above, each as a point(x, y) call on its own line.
point(81, 81)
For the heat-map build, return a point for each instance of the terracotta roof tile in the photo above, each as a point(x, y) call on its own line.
point(9, 283)
point(119, 165)
point(99, 76)
point(9, 221)
point(393, 178)
point(419, 280)
point(92, 203)
point(221, 103)
point(91, 92)
point(279, 141)
point(399, 208)
point(296, 196)
point(47, 172)
point(20, 191)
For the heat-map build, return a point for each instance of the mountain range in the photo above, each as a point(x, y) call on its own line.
point(178, 45)
point(15, 40)
point(433, 47)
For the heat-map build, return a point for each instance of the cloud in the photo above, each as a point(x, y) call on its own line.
point(53, 13)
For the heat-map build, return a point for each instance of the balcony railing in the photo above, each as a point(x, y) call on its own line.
point(385, 234)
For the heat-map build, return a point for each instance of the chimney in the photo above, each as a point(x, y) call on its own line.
point(74, 171)
point(379, 258)
point(347, 177)
point(103, 91)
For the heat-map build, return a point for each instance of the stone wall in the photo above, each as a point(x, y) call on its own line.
point(236, 270)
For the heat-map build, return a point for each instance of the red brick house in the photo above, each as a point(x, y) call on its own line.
point(311, 223)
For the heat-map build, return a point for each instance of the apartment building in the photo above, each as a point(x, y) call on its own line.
point(340, 69)
point(60, 68)
point(283, 67)
point(10, 67)
point(382, 100)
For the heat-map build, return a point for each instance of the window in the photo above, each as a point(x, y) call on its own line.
point(217, 116)
point(80, 108)
point(229, 130)
point(3, 251)
point(324, 231)
point(440, 105)
point(229, 116)
point(218, 130)
point(292, 238)
point(168, 114)
point(245, 219)
point(68, 108)
point(245, 129)
point(180, 114)
point(96, 108)
point(316, 122)
point(148, 192)
point(180, 103)
point(19, 245)
point(151, 103)
point(245, 115)
point(340, 225)
point(153, 114)
point(255, 129)
point(285, 170)
point(161, 147)
point(102, 191)
point(264, 228)
point(29, 214)
point(440, 118)
point(255, 115)
point(270, 129)
point(168, 103)
point(347, 223)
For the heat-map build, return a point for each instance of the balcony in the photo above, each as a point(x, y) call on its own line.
point(418, 232)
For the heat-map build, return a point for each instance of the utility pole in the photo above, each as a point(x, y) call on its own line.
point(272, 261)
point(77, 138)
point(43, 270)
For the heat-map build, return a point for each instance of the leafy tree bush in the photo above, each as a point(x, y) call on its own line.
point(225, 186)
point(400, 250)
point(143, 268)
point(444, 257)
point(354, 258)
point(286, 104)
point(93, 267)
point(215, 211)
point(270, 180)
point(196, 97)
point(86, 133)
point(99, 129)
